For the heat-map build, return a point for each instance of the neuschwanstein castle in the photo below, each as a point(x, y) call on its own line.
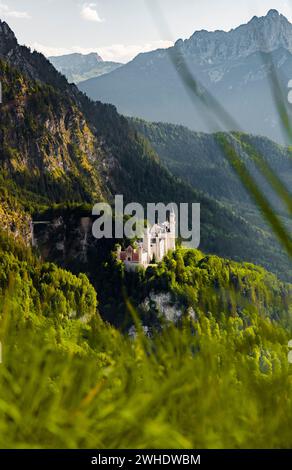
point(158, 240)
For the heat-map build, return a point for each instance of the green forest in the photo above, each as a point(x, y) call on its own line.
point(217, 377)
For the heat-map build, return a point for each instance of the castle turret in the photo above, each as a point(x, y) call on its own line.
point(147, 243)
point(172, 231)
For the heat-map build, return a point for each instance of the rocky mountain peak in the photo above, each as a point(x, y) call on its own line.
point(32, 64)
point(95, 56)
point(273, 13)
point(7, 38)
point(264, 34)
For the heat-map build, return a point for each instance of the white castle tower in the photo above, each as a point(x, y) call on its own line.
point(171, 239)
point(147, 243)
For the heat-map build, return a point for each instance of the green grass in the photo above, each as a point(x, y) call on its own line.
point(204, 384)
point(220, 379)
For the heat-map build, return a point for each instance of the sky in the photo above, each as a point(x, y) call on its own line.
point(120, 29)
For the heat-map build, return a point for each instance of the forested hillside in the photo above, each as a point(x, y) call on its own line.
point(189, 283)
point(59, 147)
point(42, 289)
point(198, 159)
point(69, 380)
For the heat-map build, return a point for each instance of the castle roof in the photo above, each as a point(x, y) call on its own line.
point(159, 228)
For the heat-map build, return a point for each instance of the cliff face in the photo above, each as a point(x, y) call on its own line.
point(8, 40)
point(47, 145)
point(14, 221)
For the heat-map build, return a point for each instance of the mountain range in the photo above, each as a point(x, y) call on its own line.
point(79, 67)
point(239, 68)
point(58, 147)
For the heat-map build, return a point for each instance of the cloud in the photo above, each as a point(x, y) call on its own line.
point(5, 11)
point(90, 13)
point(51, 50)
point(125, 53)
point(115, 52)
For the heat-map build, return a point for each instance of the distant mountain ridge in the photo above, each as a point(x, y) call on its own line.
point(265, 34)
point(58, 147)
point(79, 67)
point(235, 66)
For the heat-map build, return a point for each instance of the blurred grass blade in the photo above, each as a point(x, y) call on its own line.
point(255, 192)
point(264, 167)
point(280, 101)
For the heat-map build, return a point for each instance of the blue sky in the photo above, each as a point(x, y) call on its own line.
point(120, 29)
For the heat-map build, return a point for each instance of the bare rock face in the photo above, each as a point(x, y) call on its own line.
point(265, 34)
point(15, 222)
point(7, 39)
point(33, 64)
